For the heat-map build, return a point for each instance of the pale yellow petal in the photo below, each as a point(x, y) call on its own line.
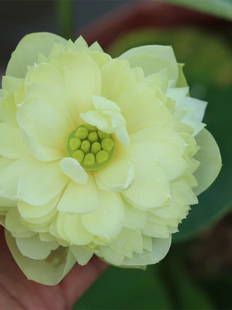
point(13, 222)
point(56, 95)
point(82, 79)
point(101, 103)
point(43, 122)
point(98, 119)
point(178, 94)
point(27, 51)
point(8, 203)
point(29, 211)
point(152, 59)
point(80, 198)
point(49, 271)
point(11, 144)
point(134, 218)
point(160, 134)
point(117, 76)
point(72, 169)
point(156, 230)
point(40, 185)
point(10, 176)
point(108, 219)
point(10, 83)
point(150, 188)
point(162, 154)
point(40, 151)
point(115, 177)
point(141, 109)
point(210, 159)
point(9, 109)
point(82, 255)
point(147, 243)
point(160, 248)
point(111, 256)
point(34, 248)
point(75, 230)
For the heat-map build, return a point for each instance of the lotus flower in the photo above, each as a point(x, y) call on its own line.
point(98, 155)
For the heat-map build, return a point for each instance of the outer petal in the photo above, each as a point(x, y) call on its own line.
point(81, 254)
point(152, 59)
point(53, 93)
point(10, 176)
point(74, 230)
point(160, 248)
point(49, 271)
point(116, 177)
point(107, 220)
point(13, 222)
point(9, 109)
point(73, 170)
point(160, 134)
point(80, 198)
point(210, 159)
point(177, 94)
point(162, 154)
point(11, 144)
point(4, 202)
point(134, 218)
point(141, 109)
point(116, 77)
point(195, 112)
point(27, 51)
point(34, 248)
point(29, 211)
point(40, 185)
point(150, 188)
point(43, 122)
point(40, 151)
point(10, 83)
point(82, 79)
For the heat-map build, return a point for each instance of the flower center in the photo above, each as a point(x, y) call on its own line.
point(91, 147)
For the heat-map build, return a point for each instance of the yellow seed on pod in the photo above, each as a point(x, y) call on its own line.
point(103, 134)
point(89, 159)
point(107, 144)
point(85, 146)
point(82, 133)
point(93, 136)
point(96, 146)
point(75, 143)
point(102, 156)
point(78, 155)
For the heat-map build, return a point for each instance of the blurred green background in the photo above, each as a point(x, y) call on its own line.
point(197, 272)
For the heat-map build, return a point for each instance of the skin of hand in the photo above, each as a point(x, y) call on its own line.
point(17, 293)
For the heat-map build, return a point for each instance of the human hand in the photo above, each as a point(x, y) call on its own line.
point(17, 293)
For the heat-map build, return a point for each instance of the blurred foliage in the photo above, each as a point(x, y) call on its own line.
point(176, 283)
point(221, 8)
point(127, 289)
point(65, 16)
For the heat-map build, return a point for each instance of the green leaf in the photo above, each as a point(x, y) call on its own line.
point(221, 8)
point(186, 293)
point(126, 289)
point(199, 49)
